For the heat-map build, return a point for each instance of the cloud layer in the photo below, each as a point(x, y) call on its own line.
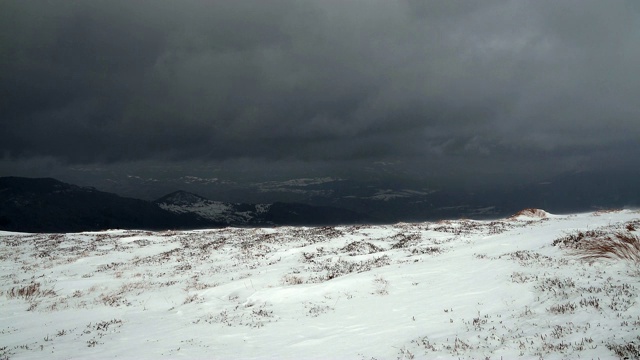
point(545, 85)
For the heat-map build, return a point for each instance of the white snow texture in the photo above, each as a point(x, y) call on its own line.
point(504, 289)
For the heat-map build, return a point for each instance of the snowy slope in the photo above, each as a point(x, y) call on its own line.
point(181, 202)
point(452, 289)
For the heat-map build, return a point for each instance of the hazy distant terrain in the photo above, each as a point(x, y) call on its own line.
point(48, 205)
point(534, 285)
point(239, 214)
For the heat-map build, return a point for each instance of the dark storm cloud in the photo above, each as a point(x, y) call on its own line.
point(468, 85)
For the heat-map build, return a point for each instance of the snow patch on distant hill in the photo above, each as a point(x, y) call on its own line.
point(298, 186)
point(181, 202)
point(389, 194)
point(198, 180)
point(309, 181)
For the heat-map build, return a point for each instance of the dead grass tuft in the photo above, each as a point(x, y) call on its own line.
point(620, 246)
point(530, 212)
point(292, 280)
point(30, 291)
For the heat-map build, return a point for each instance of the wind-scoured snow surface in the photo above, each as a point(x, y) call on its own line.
point(452, 289)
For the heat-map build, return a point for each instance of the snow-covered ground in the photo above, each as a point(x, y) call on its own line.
point(514, 288)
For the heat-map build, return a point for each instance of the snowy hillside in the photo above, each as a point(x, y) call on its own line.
point(181, 202)
point(532, 286)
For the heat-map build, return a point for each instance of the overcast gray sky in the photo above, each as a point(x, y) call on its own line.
point(454, 90)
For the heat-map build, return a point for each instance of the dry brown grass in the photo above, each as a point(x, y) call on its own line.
point(606, 211)
point(530, 212)
point(30, 291)
point(620, 246)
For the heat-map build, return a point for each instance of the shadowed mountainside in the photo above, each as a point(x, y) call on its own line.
point(48, 205)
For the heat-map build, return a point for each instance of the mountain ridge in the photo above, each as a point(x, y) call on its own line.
point(49, 205)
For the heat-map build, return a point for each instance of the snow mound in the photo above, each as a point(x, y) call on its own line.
point(530, 214)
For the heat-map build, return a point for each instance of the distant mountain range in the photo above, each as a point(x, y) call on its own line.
point(48, 205)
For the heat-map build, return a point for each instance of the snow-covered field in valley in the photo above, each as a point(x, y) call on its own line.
point(513, 288)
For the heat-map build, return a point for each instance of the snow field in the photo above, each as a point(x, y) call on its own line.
point(451, 289)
